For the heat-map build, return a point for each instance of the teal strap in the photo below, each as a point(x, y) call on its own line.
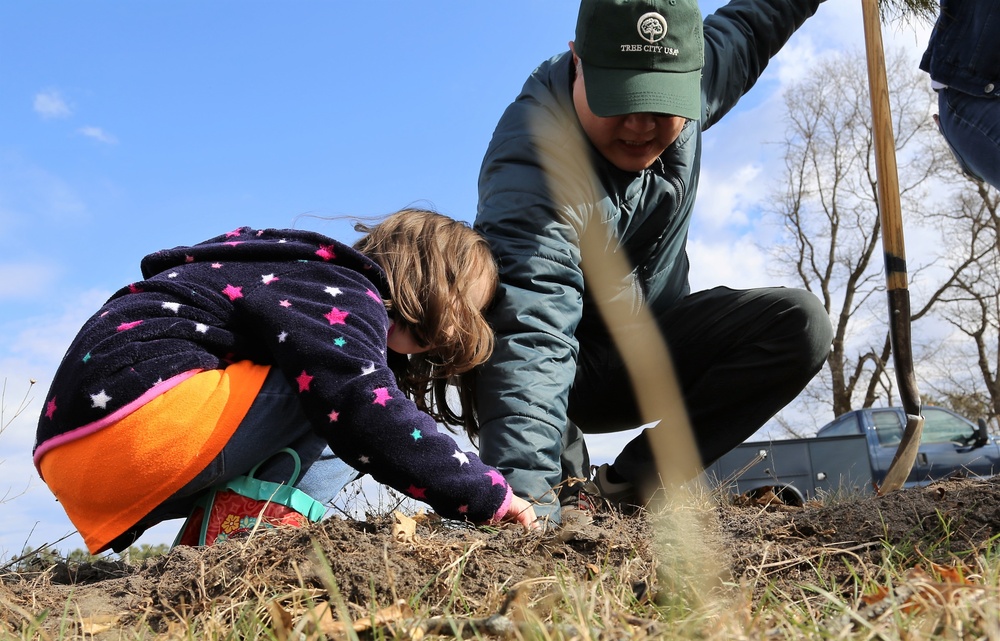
point(254, 488)
point(295, 457)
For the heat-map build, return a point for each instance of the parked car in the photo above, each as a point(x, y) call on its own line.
point(853, 453)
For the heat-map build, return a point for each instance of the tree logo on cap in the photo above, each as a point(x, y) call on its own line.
point(652, 27)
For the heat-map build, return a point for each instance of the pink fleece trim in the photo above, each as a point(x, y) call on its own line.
point(504, 507)
point(113, 417)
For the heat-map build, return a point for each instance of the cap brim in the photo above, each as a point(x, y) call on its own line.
point(615, 92)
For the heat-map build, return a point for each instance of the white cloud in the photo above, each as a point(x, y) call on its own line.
point(19, 281)
point(726, 198)
point(98, 134)
point(50, 104)
point(796, 60)
point(737, 263)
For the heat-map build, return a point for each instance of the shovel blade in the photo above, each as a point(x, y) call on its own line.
point(906, 454)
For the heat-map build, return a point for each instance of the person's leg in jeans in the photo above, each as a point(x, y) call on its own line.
point(274, 421)
point(971, 125)
point(740, 356)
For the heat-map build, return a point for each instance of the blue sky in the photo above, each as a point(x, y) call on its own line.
point(126, 127)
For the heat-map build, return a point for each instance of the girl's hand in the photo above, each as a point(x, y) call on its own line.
point(522, 512)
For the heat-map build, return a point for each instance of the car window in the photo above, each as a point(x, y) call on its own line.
point(888, 427)
point(843, 426)
point(944, 427)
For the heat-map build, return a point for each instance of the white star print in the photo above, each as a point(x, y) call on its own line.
point(201, 327)
point(267, 278)
point(333, 291)
point(282, 336)
point(100, 400)
point(172, 306)
point(460, 457)
point(364, 459)
point(365, 371)
point(172, 275)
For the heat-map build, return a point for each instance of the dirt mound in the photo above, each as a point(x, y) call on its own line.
point(446, 567)
point(838, 544)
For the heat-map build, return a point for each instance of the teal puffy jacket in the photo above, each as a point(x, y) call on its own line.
point(542, 185)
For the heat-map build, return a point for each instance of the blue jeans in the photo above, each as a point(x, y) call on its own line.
point(274, 421)
point(971, 125)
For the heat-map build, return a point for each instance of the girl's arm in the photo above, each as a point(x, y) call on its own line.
point(326, 329)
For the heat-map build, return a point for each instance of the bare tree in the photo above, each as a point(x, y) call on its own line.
point(967, 375)
point(826, 206)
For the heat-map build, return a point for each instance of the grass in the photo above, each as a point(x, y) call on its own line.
point(923, 589)
point(917, 602)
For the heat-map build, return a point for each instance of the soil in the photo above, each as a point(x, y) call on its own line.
point(759, 544)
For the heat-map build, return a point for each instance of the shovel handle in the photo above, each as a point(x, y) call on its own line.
point(891, 219)
point(890, 211)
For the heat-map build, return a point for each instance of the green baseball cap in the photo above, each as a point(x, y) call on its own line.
point(641, 56)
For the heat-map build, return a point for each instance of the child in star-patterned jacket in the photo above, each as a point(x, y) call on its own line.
point(236, 348)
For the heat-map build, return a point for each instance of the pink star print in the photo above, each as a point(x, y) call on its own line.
point(381, 396)
point(336, 317)
point(234, 243)
point(284, 303)
point(234, 233)
point(496, 477)
point(463, 509)
point(304, 380)
point(376, 297)
point(233, 292)
point(334, 415)
point(134, 289)
point(188, 258)
point(417, 492)
point(326, 252)
point(50, 408)
point(126, 326)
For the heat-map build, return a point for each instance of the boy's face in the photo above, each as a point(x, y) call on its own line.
point(631, 142)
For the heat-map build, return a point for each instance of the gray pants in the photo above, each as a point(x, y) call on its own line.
point(740, 356)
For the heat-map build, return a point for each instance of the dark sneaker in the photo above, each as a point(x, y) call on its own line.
point(621, 495)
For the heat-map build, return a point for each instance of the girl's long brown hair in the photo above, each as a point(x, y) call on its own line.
point(432, 263)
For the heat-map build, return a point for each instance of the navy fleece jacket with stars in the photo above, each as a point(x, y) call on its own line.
point(294, 300)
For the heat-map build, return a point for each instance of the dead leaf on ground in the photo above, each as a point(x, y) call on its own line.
point(920, 590)
point(281, 620)
point(323, 619)
point(404, 528)
point(98, 623)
